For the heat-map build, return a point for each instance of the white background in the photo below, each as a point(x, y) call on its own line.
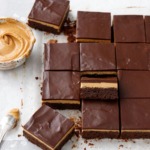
point(20, 84)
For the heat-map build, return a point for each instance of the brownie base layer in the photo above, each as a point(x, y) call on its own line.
point(100, 135)
point(46, 28)
point(135, 135)
point(42, 146)
point(62, 106)
point(97, 93)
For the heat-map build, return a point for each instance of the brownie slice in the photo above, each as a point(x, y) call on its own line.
point(62, 56)
point(133, 56)
point(100, 119)
point(61, 90)
point(99, 88)
point(135, 122)
point(48, 129)
point(129, 29)
point(93, 27)
point(97, 58)
point(48, 15)
point(134, 84)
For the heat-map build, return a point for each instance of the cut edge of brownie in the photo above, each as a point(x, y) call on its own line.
point(100, 133)
point(46, 26)
point(43, 145)
point(99, 93)
point(54, 105)
point(133, 134)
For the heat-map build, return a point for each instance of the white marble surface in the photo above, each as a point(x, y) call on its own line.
point(20, 84)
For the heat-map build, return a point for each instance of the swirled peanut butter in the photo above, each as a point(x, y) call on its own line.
point(16, 40)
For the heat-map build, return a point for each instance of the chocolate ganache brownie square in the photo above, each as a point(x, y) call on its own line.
point(147, 28)
point(134, 84)
point(62, 56)
point(93, 27)
point(133, 56)
point(99, 88)
point(100, 119)
point(135, 118)
point(48, 15)
point(61, 89)
point(96, 58)
point(129, 28)
point(48, 129)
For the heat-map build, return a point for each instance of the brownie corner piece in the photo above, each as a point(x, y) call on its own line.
point(48, 15)
point(100, 119)
point(90, 24)
point(135, 115)
point(129, 28)
point(62, 57)
point(48, 129)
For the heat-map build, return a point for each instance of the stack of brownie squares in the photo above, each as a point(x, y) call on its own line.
point(132, 35)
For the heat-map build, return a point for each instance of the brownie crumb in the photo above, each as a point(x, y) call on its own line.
point(46, 33)
point(78, 127)
point(74, 146)
point(19, 135)
point(69, 30)
point(52, 41)
point(120, 145)
point(71, 38)
point(85, 141)
point(91, 144)
point(22, 103)
point(36, 78)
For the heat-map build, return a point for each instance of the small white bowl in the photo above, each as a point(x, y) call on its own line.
point(7, 65)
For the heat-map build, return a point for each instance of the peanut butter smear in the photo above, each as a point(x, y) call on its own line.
point(16, 40)
point(15, 113)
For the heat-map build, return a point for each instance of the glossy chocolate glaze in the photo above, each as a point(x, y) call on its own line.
point(100, 115)
point(49, 11)
point(62, 56)
point(61, 85)
point(135, 114)
point(129, 28)
point(147, 28)
point(93, 25)
point(48, 125)
point(97, 57)
point(133, 56)
point(134, 84)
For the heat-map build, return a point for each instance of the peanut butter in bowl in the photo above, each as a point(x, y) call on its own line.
point(16, 43)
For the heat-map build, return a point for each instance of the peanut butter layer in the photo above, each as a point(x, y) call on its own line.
point(99, 130)
point(61, 101)
point(99, 85)
point(16, 40)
